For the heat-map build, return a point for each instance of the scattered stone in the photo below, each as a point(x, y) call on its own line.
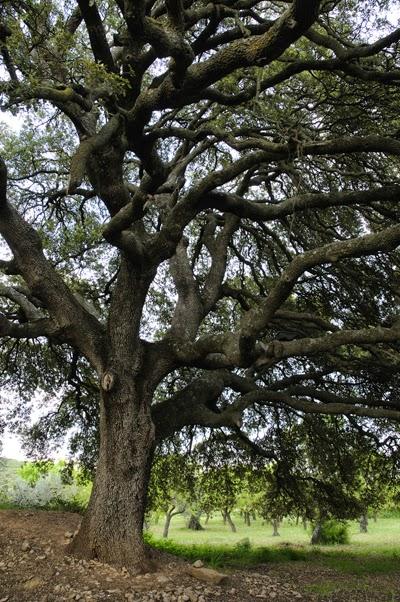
point(33, 583)
point(68, 579)
point(68, 535)
point(162, 579)
point(207, 575)
point(198, 564)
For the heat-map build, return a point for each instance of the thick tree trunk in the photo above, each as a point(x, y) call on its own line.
point(112, 528)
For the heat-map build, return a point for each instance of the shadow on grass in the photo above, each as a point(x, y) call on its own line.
point(382, 563)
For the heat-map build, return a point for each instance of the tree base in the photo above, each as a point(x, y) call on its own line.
point(194, 524)
point(137, 560)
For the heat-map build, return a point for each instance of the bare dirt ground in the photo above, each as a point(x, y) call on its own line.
point(34, 567)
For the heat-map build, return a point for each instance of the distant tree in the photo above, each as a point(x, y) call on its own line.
point(325, 468)
point(170, 487)
point(251, 493)
point(378, 483)
point(32, 471)
point(220, 486)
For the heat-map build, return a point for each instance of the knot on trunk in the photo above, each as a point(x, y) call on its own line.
point(108, 380)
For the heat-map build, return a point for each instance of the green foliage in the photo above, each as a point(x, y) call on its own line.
point(8, 473)
point(232, 556)
point(171, 482)
point(32, 471)
point(334, 532)
point(49, 486)
point(243, 544)
point(220, 487)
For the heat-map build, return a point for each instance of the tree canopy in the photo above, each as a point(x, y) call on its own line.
point(200, 225)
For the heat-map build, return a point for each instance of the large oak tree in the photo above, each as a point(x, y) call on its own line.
point(201, 214)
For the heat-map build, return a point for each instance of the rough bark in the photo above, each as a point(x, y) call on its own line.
point(111, 530)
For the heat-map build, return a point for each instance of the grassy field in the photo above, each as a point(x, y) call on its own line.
point(374, 553)
point(381, 535)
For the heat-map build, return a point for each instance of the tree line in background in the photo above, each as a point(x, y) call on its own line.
point(209, 481)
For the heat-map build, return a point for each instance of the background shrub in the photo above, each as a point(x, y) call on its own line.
point(333, 532)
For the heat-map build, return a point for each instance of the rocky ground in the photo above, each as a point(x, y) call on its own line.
point(34, 567)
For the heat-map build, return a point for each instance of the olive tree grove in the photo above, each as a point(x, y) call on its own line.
point(199, 220)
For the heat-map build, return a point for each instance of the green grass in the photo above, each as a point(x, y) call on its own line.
point(374, 553)
point(362, 562)
point(383, 534)
point(323, 589)
point(228, 556)
point(216, 532)
point(342, 561)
